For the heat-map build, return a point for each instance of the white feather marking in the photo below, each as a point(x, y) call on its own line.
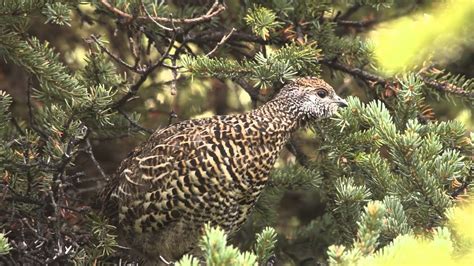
point(120, 189)
point(146, 177)
point(313, 98)
point(125, 173)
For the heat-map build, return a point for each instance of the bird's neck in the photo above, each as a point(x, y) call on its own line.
point(270, 127)
point(280, 114)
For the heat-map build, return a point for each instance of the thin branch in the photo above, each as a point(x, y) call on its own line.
point(152, 19)
point(222, 41)
point(215, 10)
point(17, 126)
point(174, 70)
point(116, 58)
point(349, 12)
point(358, 24)
point(135, 49)
point(116, 11)
point(214, 6)
point(174, 73)
point(57, 213)
point(300, 156)
point(133, 123)
point(215, 36)
point(134, 89)
point(251, 90)
point(368, 23)
point(460, 190)
point(90, 152)
point(376, 79)
point(447, 87)
point(356, 72)
point(172, 66)
point(19, 197)
point(172, 115)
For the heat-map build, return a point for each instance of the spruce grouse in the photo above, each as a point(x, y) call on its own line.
point(209, 170)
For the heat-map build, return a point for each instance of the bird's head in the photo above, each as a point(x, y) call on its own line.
point(310, 99)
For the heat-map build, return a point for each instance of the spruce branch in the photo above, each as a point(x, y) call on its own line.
point(4, 245)
point(40, 60)
point(262, 21)
point(5, 115)
point(369, 227)
point(57, 13)
point(187, 260)
point(216, 251)
point(447, 87)
point(373, 79)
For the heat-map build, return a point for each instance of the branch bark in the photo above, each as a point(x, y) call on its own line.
point(215, 10)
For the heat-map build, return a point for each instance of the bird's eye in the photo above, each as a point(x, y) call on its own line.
point(322, 93)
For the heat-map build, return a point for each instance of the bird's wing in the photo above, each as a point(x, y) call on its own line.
point(130, 172)
point(171, 174)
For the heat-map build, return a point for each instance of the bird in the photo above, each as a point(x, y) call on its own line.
point(207, 171)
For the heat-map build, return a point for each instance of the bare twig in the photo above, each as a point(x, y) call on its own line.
point(90, 152)
point(19, 197)
point(17, 126)
point(301, 158)
point(215, 10)
point(25, 221)
point(214, 6)
point(221, 42)
point(215, 36)
point(356, 72)
point(152, 19)
point(116, 58)
point(134, 88)
point(133, 123)
point(358, 24)
point(362, 25)
point(173, 66)
point(349, 12)
point(59, 238)
point(174, 70)
point(116, 11)
point(172, 115)
point(135, 49)
point(251, 90)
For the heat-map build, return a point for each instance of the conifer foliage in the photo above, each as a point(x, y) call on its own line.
point(384, 169)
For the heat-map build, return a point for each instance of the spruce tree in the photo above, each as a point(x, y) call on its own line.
point(385, 170)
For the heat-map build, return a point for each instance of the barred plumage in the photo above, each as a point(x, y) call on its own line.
point(208, 170)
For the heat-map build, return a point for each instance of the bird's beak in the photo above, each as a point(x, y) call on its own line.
point(341, 102)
